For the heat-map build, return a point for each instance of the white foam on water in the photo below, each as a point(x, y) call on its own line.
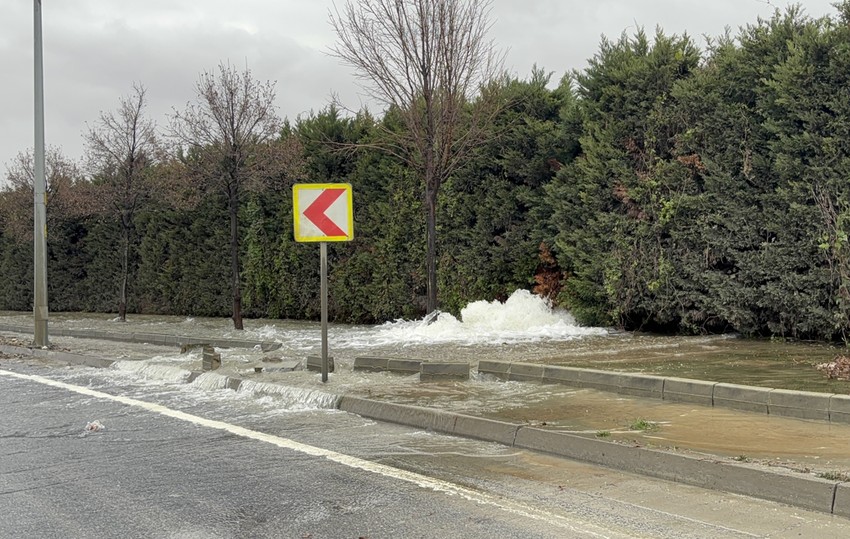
point(524, 317)
point(294, 399)
point(210, 381)
point(155, 371)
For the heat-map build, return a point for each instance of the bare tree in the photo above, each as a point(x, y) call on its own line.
point(229, 129)
point(429, 60)
point(60, 175)
point(122, 148)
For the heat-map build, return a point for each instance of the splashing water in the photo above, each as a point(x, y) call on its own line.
point(524, 317)
point(291, 398)
point(153, 371)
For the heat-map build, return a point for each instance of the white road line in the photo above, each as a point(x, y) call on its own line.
point(574, 525)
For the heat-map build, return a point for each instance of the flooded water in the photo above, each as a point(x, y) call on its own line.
point(523, 328)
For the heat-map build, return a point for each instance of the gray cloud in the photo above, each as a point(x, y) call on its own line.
point(95, 50)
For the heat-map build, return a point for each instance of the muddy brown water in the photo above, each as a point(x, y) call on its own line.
point(728, 359)
point(790, 442)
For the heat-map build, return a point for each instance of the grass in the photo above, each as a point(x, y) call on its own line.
point(835, 476)
point(742, 458)
point(643, 425)
point(602, 434)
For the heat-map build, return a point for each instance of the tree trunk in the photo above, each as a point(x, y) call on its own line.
point(125, 263)
point(233, 203)
point(431, 251)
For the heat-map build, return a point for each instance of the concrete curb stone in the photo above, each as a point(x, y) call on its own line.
point(482, 428)
point(526, 372)
point(444, 371)
point(687, 390)
point(841, 505)
point(793, 489)
point(414, 416)
point(554, 374)
point(370, 364)
point(839, 408)
point(499, 369)
point(800, 404)
point(739, 397)
point(314, 363)
point(404, 366)
point(641, 385)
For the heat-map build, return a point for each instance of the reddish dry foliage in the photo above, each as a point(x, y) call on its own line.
point(838, 368)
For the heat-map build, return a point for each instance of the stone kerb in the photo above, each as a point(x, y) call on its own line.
point(485, 429)
point(801, 404)
point(526, 372)
point(314, 363)
point(601, 380)
point(370, 364)
point(641, 385)
point(739, 397)
point(444, 371)
point(414, 416)
point(794, 489)
point(841, 506)
point(687, 390)
point(553, 374)
point(499, 369)
point(404, 366)
point(839, 408)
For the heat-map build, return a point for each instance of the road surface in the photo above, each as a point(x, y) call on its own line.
point(99, 453)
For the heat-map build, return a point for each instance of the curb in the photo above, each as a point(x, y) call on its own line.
point(147, 338)
point(794, 489)
point(828, 407)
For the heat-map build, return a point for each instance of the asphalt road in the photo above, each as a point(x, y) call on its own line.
point(97, 453)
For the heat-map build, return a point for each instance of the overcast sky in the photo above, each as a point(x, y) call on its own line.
point(95, 50)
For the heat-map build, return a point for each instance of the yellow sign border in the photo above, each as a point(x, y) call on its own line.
point(296, 210)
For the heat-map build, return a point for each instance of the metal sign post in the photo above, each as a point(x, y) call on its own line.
point(323, 212)
point(323, 265)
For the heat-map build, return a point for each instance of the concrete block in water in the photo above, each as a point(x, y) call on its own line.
point(211, 360)
point(267, 346)
point(404, 366)
point(525, 372)
point(792, 488)
point(415, 416)
point(485, 429)
point(802, 404)
point(841, 506)
point(370, 364)
point(314, 363)
point(640, 385)
point(284, 366)
point(499, 369)
point(448, 371)
point(187, 346)
point(686, 390)
point(553, 374)
point(748, 398)
point(839, 408)
point(601, 380)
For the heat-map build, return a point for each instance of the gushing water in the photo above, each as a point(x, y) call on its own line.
point(291, 398)
point(210, 381)
point(524, 317)
point(154, 371)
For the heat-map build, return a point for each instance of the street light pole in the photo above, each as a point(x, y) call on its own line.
point(39, 195)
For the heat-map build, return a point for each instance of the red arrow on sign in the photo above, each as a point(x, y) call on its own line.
point(315, 212)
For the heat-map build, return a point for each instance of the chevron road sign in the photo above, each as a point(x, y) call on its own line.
point(323, 212)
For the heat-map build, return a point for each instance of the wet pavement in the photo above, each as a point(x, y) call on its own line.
point(807, 446)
